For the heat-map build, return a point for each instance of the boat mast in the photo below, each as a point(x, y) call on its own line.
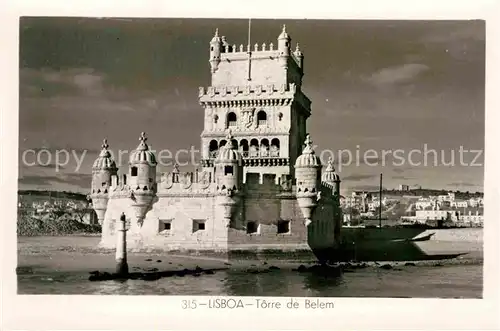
point(380, 204)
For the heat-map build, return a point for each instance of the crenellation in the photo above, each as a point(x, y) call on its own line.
point(231, 49)
point(266, 91)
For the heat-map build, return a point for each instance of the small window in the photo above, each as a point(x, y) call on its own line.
point(133, 171)
point(165, 225)
point(228, 170)
point(103, 184)
point(283, 227)
point(252, 227)
point(198, 225)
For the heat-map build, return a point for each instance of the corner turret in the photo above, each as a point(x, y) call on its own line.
point(229, 166)
point(331, 177)
point(142, 176)
point(308, 175)
point(228, 177)
point(300, 57)
point(216, 46)
point(103, 169)
point(284, 46)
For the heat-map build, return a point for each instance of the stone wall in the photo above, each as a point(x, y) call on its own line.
point(263, 204)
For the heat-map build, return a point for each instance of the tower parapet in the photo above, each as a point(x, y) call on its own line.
point(142, 174)
point(308, 175)
point(261, 59)
point(103, 170)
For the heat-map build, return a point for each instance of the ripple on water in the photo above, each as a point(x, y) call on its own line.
point(464, 281)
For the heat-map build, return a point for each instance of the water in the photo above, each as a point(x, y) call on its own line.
point(453, 281)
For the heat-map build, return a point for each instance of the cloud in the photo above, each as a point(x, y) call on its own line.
point(47, 82)
point(359, 177)
point(80, 180)
point(366, 188)
point(401, 177)
point(397, 74)
point(398, 170)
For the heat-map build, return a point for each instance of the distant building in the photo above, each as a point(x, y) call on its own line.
point(403, 187)
point(459, 204)
point(458, 216)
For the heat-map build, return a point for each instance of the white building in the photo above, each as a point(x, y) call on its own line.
point(459, 204)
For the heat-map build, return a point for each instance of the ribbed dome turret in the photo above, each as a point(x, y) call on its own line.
point(228, 154)
point(142, 153)
point(284, 34)
point(216, 37)
point(330, 176)
point(298, 53)
point(104, 161)
point(308, 159)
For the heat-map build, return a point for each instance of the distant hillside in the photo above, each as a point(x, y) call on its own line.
point(52, 194)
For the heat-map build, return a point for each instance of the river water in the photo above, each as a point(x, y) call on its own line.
point(449, 281)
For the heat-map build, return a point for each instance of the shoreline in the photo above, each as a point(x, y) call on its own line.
point(78, 253)
point(79, 262)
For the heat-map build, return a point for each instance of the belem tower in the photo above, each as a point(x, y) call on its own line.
point(260, 185)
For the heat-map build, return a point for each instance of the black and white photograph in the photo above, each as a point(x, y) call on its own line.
point(229, 161)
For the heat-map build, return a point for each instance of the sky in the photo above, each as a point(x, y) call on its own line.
point(383, 86)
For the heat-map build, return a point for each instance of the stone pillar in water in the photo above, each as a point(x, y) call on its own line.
point(121, 247)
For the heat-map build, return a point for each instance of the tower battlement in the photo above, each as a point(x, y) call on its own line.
point(252, 95)
point(258, 51)
point(257, 64)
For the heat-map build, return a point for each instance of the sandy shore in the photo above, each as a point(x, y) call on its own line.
point(79, 254)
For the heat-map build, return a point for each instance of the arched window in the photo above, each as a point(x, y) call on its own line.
point(264, 147)
point(222, 143)
point(213, 149)
point(244, 147)
point(275, 147)
point(231, 119)
point(262, 118)
point(254, 148)
point(234, 143)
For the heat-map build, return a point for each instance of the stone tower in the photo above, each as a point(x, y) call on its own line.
point(256, 92)
point(103, 169)
point(142, 174)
